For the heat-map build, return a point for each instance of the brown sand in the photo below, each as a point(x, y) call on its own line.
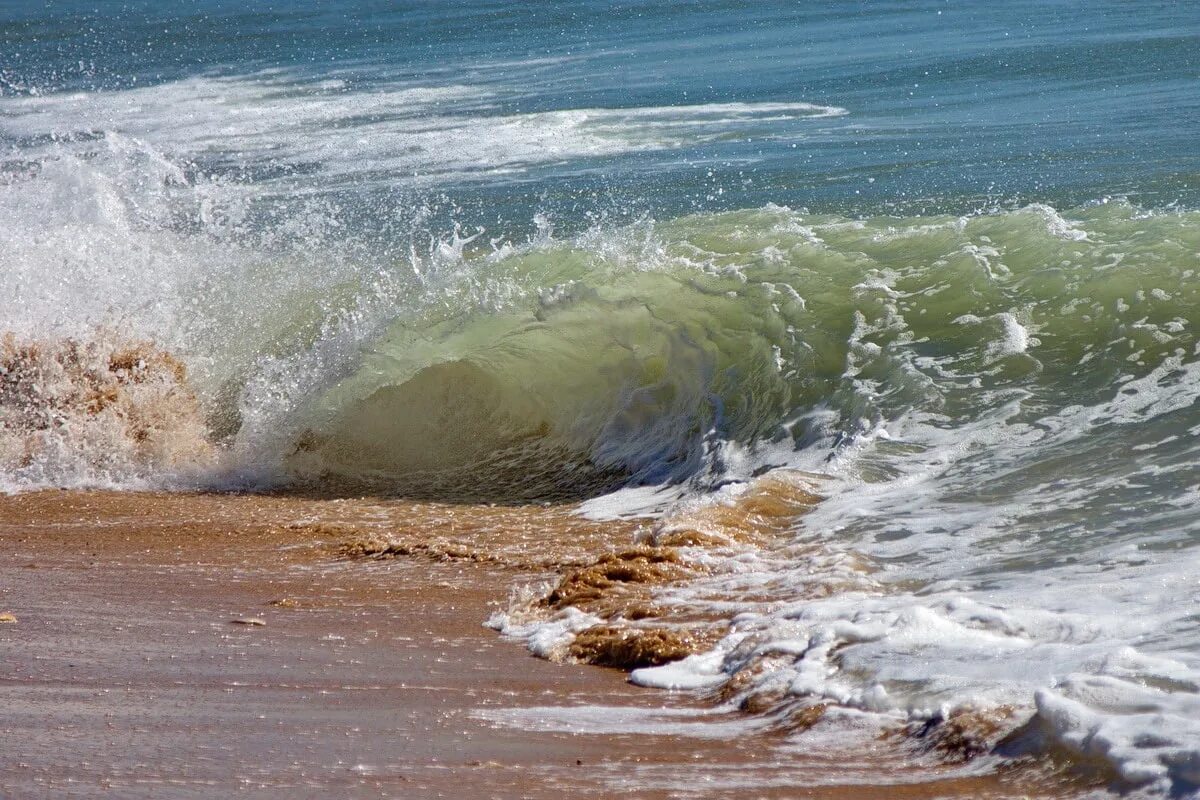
point(123, 674)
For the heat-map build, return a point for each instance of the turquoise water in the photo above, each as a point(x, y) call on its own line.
point(945, 256)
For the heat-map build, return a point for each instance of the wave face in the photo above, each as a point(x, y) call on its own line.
point(664, 351)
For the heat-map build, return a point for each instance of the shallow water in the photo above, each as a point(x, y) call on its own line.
point(936, 263)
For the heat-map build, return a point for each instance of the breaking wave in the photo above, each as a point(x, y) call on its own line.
point(999, 410)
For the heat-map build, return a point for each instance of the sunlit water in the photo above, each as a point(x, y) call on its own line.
point(945, 255)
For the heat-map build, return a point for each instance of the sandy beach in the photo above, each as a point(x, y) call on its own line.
point(128, 674)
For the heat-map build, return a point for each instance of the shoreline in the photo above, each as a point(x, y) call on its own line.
point(126, 673)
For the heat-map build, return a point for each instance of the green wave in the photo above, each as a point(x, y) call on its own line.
point(567, 368)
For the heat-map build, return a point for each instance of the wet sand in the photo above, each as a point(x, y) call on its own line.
point(124, 674)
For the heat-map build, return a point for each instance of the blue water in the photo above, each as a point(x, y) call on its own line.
point(949, 106)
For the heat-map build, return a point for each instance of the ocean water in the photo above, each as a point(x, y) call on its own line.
point(941, 258)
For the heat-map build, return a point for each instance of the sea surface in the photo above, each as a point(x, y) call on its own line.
point(940, 259)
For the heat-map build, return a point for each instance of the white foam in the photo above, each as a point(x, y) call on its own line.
point(630, 502)
point(389, 133)
point(547, 638)
point(1149, 735)
point(1056, 223)
point(694, 672)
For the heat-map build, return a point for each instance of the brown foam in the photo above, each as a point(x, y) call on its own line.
point(768, 507)
point(111, 400)
point(964, 733)
point(630, 648)
point(380, 548)
point(806, 716)
point(623, 587)
point(622, 575)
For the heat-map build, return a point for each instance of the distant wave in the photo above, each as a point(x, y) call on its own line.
point(377, 133)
